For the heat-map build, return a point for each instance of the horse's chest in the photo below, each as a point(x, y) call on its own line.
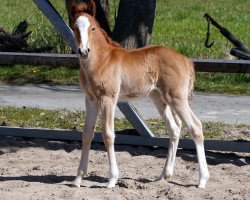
point(101, 85)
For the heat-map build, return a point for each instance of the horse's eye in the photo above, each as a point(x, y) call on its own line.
point(93, 29)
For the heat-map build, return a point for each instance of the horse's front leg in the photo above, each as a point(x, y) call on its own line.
point(92, 112)
point(107, 109)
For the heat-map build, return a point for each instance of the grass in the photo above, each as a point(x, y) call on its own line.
point(178, 25)
point(74, 120)
point(25, 74)
point(43, 33)
point(238, 84)
point(182, 26)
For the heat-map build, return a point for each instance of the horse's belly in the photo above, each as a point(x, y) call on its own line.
point(137, 91)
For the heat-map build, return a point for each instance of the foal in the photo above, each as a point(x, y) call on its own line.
point(110, 73)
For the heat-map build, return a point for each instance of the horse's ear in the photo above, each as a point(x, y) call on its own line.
point(72, 9)
point(91, 8)
point(88, 7)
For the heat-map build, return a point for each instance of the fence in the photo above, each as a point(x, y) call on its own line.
point(125, 139)
point(146, 136)
point(71, 60)
point(53, 60)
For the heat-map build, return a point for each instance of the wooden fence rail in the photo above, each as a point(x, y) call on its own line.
point(128, 139)
point(39, 59)
point(71, 60)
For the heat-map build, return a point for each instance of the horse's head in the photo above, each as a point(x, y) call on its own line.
point(84, 28)
point(83, 25)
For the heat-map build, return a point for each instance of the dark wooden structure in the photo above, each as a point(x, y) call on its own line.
point(125, 139)
point(71, 60)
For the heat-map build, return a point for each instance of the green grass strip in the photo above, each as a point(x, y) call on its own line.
point(74, 120)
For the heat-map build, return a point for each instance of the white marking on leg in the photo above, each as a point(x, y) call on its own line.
point(174, 128)
point(174, 133)
point(108, 108)
point(92, 112)
point(199, 142)
point(195, 128)
point(113, 171)
point(204, 174)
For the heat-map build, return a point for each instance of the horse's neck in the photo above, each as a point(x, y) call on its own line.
point(99, 49)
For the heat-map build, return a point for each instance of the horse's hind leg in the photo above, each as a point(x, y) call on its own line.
point(92, 112)
point(182, 108)
point(174, 128)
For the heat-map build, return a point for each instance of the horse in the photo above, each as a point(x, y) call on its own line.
point(110, 73)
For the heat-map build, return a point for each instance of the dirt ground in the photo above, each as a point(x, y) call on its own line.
point(43, 169)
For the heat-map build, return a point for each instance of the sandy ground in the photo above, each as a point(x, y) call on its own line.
point(42, 169)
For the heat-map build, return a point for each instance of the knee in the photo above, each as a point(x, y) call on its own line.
point(177, 120)
point(175, 133)
point(108, 139)
point(174, 137)
point(199, 125)
point(87, 138)
point(197, 134)
point(198, 138)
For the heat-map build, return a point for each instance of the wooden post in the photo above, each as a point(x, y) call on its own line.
point(63, 29)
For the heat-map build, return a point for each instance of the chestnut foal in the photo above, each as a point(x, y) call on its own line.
point(110, 73)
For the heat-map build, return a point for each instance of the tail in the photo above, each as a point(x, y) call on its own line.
point(191, 80)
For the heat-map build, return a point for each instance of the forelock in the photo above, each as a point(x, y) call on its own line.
point(82, 22)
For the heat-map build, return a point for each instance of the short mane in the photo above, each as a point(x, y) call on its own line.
point(109, 39)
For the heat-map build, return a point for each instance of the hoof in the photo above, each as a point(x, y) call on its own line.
point(202, 183)
point(111, 183)
point(163, 177)
point(201, 186)
point(77, 182)
point(160, 178)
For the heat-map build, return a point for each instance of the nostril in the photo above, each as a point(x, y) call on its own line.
point(88, 50)
point(79, 51)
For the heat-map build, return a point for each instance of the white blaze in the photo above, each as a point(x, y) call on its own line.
point(83, 25)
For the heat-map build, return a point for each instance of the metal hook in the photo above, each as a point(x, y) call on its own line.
point(208, 34)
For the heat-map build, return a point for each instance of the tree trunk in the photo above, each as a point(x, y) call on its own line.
point(102, 11)
point(134, 23)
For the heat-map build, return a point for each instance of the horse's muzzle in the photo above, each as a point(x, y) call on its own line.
point(84, 53)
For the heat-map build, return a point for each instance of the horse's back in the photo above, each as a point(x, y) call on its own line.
point(166, 69)
point(153, 67)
